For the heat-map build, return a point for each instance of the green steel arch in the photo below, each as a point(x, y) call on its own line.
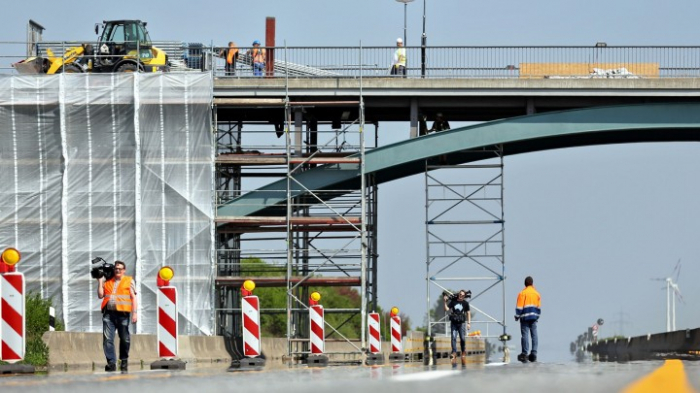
point(670, 122)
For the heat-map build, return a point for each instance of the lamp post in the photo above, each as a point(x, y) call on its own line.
point(405, 8)
point(423, 43)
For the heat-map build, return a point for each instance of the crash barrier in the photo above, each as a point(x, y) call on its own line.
point(74, 351)
point(80, 351)
point(683, 344)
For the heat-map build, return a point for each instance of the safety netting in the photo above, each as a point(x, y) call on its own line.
point(119, 166)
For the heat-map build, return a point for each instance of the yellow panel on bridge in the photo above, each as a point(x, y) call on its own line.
point(548, 70)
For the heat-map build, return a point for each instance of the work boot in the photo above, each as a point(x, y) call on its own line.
point(532, 357)
point(522, 358)
point(453, 359)
point(124, 366)
point(464, 359)
point(111, 367)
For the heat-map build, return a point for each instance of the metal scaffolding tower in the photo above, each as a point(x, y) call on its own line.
point(326, 228)
point(464, 224)
point(317, 238)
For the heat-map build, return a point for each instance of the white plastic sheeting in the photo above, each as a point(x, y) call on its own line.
point(112, 165)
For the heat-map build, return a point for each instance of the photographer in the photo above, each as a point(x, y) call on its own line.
point(118, 294)
point(459, 313)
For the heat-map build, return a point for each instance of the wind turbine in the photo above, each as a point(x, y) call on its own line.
point(671, 299)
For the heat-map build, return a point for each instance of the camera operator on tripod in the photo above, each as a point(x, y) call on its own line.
point(460, 318)
point(119, 306)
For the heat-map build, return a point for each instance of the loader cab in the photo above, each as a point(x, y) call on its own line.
point(122, 38)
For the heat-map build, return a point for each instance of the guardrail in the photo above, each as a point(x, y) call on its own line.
point(555, 62)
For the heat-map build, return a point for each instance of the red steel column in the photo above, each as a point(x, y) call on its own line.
point(270, 44)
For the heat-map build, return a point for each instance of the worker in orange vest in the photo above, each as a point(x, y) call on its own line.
point(119, 306)
point(230, 54)
point(527, 311)
point(257, 56)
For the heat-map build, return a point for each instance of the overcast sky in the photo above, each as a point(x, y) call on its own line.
point(592, 225)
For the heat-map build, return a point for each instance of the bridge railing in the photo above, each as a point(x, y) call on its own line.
point(555, 62)
point(506, 62)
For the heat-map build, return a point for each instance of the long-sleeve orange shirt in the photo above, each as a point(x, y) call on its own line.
point(527, 307)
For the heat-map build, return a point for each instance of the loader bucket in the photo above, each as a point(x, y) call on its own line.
point(32, 65)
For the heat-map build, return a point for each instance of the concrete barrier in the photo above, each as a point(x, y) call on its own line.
point(71, 351)
point(679, 344)
point(204, 349)
point(83, 351)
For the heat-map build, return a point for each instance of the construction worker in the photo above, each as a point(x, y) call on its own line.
point(119, 306)
point(459, 313)
point(399, 67)
point(257, 56)
point(230, 54)
point(527, 311)
point(440, 124)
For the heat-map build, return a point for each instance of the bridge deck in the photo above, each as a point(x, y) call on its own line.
point(475, 99)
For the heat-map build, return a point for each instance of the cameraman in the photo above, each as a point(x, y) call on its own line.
point(458, 308)
point(119, 305)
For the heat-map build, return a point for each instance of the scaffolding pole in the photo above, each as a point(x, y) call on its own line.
point(464, 234)
point(317, 238)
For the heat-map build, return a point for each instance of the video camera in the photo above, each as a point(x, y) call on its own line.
point(454, 296)
point(102, 268)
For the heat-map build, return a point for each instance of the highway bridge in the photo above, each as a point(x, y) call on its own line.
point(296, 178)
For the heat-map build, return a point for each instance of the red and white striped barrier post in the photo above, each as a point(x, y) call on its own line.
point(167, 316)
point(396, 335)
point(252, 345)
point(375, 356)
point(317, 332)
point(251, 322)
point(317, 335)
point(395, 331)
point(52, 319)
point(375, 341)
point(166, 301)
point(12, 309)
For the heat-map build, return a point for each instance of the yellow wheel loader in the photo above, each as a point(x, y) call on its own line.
point(124, 46)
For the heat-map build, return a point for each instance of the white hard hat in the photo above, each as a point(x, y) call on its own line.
point(399, 40)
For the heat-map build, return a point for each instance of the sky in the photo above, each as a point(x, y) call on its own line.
point(592, 225)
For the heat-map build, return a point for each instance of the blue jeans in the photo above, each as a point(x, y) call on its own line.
point(458, 329)
point(528, 328)
point(119, 321)
point(258, 69)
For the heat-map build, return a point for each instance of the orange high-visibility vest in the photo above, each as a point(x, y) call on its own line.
point(528, 305)
point(231, 53)
point(122, 297)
